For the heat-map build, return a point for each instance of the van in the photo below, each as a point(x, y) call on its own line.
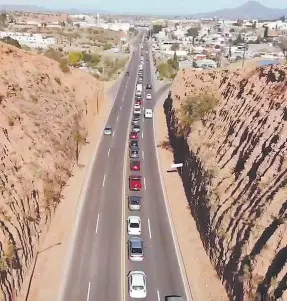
point(148, 113)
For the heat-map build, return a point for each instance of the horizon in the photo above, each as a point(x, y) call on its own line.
point(111, 6)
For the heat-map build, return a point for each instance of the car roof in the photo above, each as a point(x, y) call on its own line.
point(137, 277)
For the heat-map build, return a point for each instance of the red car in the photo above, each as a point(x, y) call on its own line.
point(135, 165)
point(134, 135)
point(135, 183)
point(138, 101)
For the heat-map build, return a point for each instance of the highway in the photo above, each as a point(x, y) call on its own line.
point(94, 270)
point(160, 260)
point(98, 266)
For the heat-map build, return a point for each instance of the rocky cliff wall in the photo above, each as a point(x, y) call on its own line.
point(44, 114)
point(235, 174)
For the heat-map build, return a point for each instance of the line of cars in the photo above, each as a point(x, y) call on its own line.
point(136, 279)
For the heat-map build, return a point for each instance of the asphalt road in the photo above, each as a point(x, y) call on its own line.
point(160, 262)
point(99, 262)
point(94, 271)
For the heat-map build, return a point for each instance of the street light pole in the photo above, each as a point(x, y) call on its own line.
point(243, 58)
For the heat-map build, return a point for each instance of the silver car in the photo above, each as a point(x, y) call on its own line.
point(136, 128)
point(134, 153)
point(135, 249)
point(134, 203)
point(108, 130)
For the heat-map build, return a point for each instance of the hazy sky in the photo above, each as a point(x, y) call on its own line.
point(147, 6)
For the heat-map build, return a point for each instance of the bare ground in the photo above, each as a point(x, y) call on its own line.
point(43, 280)
point(202, 277)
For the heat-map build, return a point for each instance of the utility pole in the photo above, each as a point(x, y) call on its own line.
point(243, 58)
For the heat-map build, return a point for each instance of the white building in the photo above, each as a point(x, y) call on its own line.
point(32, 40)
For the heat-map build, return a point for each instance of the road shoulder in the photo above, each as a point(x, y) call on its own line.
point(43, 280)
point(202, 277)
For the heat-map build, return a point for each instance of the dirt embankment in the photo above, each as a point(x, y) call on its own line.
point(235, 172)
point(44, 116)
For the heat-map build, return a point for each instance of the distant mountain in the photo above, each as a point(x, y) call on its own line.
point(249, 10)
point(36, 8)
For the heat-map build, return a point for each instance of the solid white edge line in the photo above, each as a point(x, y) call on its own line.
point(97, 225)
point(123, 224)
point(171, 222)
point(89, 289)
point(158, 295)
point(109, 152)
point(144, 184)
point(149, 229)
point(104, 180)
point(142, 135)
point(143, 154)
point(79, 208)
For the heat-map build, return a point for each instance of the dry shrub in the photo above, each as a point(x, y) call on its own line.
point(195, 107)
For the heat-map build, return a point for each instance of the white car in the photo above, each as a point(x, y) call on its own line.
point(137, 110)
point(137, 106)
point(148, 96)
point(148, 113)
point(137, 284)
point(134, 225)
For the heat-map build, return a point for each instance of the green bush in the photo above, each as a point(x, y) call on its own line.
point(107, 46)
point(196, 107)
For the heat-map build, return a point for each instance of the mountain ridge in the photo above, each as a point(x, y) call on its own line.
point(248, 10)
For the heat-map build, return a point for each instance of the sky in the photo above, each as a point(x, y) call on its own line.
point(147, 6)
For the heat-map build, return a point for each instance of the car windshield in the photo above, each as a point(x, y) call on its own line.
point(108, 128)
point(137, 287)
point(134, 225)
point(135, 163)
point(137, 250)
point(134, 201)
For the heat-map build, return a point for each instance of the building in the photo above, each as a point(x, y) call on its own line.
point(31, 40)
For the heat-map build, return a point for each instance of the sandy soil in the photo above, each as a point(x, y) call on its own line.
point(44, 278)
point(202, 277)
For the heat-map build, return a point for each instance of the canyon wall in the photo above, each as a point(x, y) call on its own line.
point(235, 173)
point(44, 117)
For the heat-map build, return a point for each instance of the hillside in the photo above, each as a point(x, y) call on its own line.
point(229, 129)
point(248, 10)
point(44, 118)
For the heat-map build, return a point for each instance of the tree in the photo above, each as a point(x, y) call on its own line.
point(11, 41)
point(192, 32)
point(75, 57)
point(174, 47)
point(3, 18)
point(282, 43)
point(156, 28)
point(78, 136)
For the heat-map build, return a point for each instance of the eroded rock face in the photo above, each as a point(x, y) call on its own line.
point(38, 104)
point(235, 175)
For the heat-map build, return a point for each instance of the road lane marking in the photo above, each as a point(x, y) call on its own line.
point(158, 295)
point(113, 132)
point(118, 118)
point(142, 135)
point(142, 154)
point(109, 152)
point(144, 184)
point(88, 294)
point(149, 230)
point(97, 223)
point(104, 180)
point(120, 107)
